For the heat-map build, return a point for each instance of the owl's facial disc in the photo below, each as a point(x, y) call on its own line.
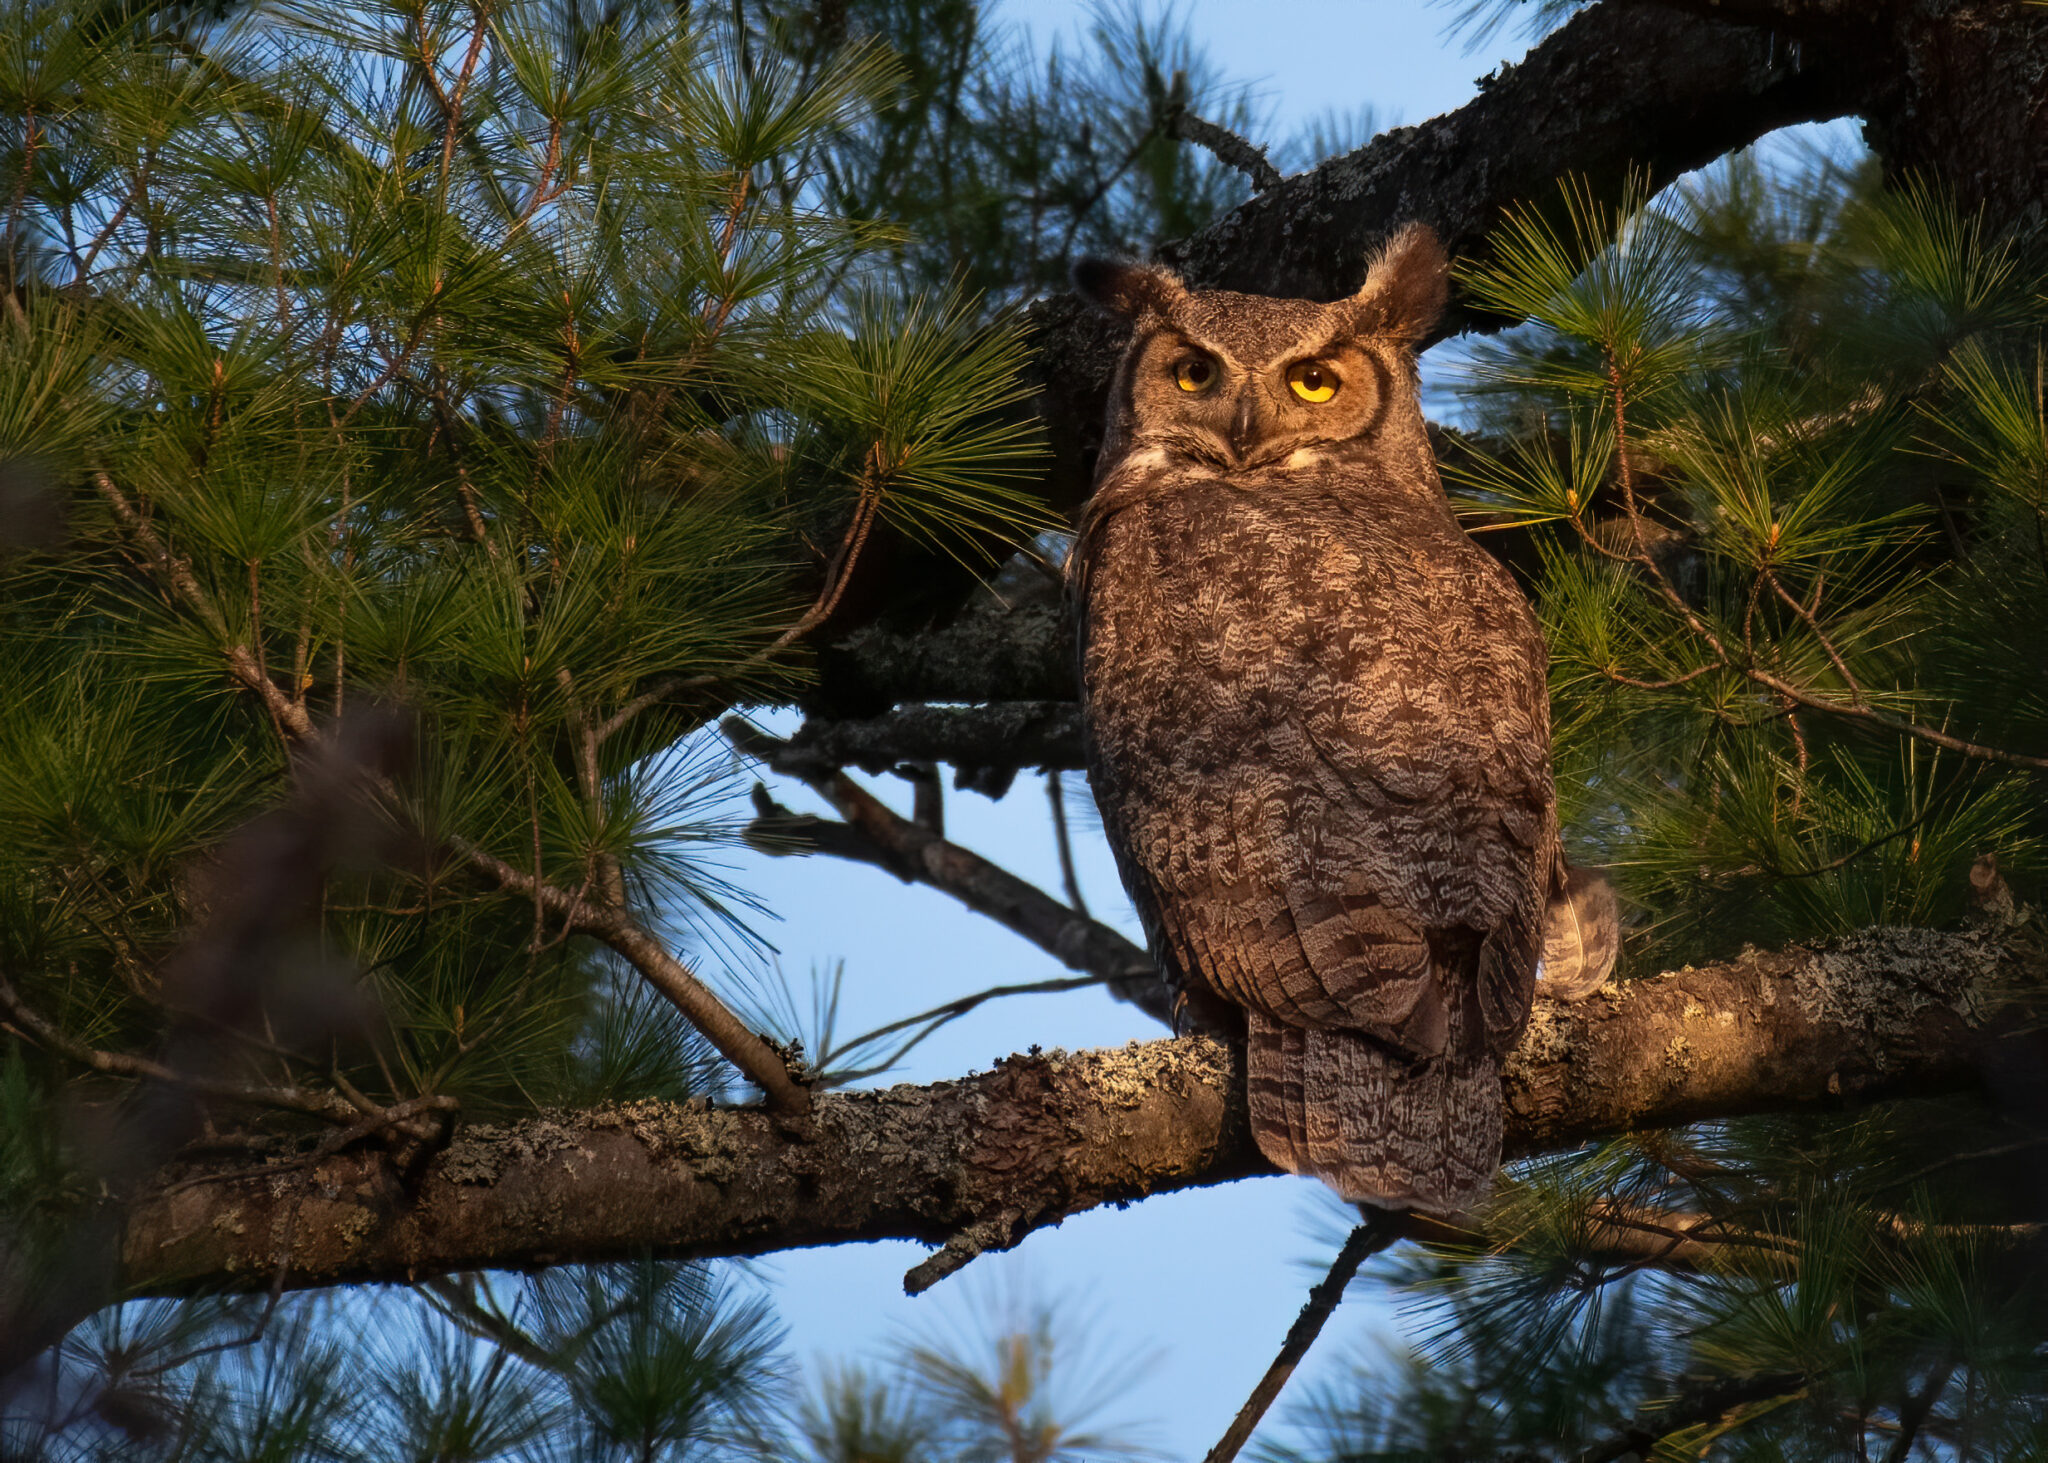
point(1253, 385)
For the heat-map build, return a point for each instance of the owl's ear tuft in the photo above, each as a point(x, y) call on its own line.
point(1407, 287)
point(1126, 289)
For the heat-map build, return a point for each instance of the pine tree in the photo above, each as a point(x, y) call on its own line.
point(419, 422)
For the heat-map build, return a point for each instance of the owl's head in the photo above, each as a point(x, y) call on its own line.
point(1237, 381)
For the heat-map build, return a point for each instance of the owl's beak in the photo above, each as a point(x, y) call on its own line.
point(1243, 427)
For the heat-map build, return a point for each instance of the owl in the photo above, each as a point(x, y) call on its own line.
point(1317, 722)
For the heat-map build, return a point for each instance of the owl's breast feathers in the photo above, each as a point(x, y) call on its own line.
point(1319, 735)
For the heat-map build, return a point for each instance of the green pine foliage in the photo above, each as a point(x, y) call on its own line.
point(481, 379)
point(505, 390)
point(1768, 457)
point(1021, 1380)
point(624, 1363)
point(1769, 1289)
point(1004, 162)
point(495, 391)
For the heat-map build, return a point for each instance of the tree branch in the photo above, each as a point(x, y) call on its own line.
point(1229, 149)
point(1701, 1404)
point(875, 834)
point(20, 1018)
point(986, 743)
point(1380, 1229)
point(981, 1162)
point(757, 1061)
point(987, 653)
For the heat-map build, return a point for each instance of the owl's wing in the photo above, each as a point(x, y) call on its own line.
point(1421, 837)
point(1374, 841)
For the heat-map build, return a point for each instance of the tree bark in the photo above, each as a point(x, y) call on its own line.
point(979, 1163)
point(1969, 111)
point(987, 744)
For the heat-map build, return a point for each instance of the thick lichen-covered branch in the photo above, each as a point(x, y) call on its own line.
point(980, 1162)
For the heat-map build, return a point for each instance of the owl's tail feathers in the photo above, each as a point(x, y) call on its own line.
point(1378, 1128)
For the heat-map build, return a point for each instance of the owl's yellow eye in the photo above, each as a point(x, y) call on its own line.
point(1312, 381)
point(1196, 373)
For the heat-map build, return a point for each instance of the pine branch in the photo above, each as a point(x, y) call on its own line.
point(995, 1156)
point(45, 1034)
point(1230, 149)
point(746, 1050)
point(1704, 1403)
point(1056, 797)
point(988, 654)
point(1913, 1415)
point(178, 578)
point(996, 739)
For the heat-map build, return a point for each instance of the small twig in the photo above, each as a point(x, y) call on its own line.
point(1693, 675)
point(998, 1231)
point(2002, 1150)
point(290, 716)
point(452, 1299)
point(1812, 622)
point(1705, 1403)
point(398, 362)
point(1230, 149)
point(1855, 853)
point(544, 190)
point(1381, 1228)
point(608, 874)
point(1662, 1240)
point(1899, 725)
point(928, 795)
point(938, 1016)
point(399, 1115)
point(757, 1061)
point(1913, 1414)
point(663, 688)
point(120, 215)
point(840, 570)
point(1102, 187)
point(1644, 560)
point(1056, 794)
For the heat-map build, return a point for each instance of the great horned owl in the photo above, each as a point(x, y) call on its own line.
point(1317, 721)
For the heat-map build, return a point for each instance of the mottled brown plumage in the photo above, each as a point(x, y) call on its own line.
point(1317, 721)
